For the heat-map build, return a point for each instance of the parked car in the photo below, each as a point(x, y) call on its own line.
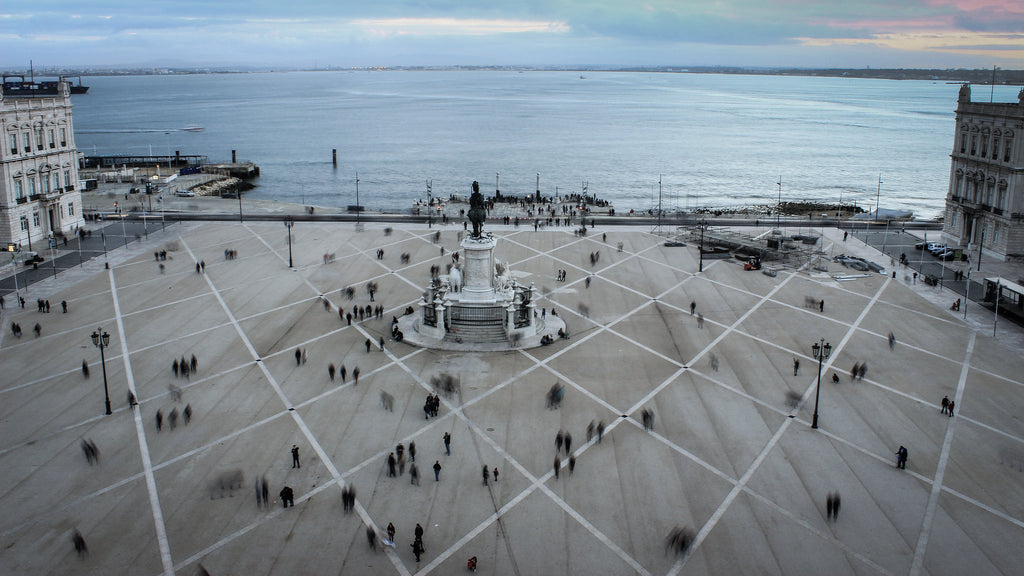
point(31, 258)
point(949, 254)
point(185, 193)
point(925, 246)
point(938, 249)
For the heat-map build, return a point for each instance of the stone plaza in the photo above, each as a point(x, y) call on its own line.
point(731, 456)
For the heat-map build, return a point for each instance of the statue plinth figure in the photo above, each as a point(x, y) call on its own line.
point(477, 211)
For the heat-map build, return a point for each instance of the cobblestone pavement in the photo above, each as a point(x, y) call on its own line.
point(732, 455)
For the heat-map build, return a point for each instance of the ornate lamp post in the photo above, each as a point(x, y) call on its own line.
point(101, 340)
point(288, 223)
point(821, 352)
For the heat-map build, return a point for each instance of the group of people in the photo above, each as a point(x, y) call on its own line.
point(43, 305)
point(183, 368)
point(948, 406)
point(431, 405)
point(172, 417)
point(560, 276)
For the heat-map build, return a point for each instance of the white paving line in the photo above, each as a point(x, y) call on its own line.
point(741, 485)
point(140, 431)
point(299, 421)
point(933, 499)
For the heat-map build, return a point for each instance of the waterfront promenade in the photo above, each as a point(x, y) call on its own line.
point(732, 455)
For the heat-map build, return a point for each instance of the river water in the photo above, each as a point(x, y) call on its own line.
point(712, 140)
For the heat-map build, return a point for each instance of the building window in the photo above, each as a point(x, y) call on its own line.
point(963, 143)
point(974, 145)
point(67, 178)
point(1006, 149)
point(50, 138)
point(39, 138)
point(24, 223)
point(25, 142)
point(14, 142)
point(984, 146)
point(35, 219)
point(995, 148)
point(19, 191)
point(995, 233)
point(63, 137)
point(71, 208)
point(31, 185)
point(44, 180)
point(56, 180)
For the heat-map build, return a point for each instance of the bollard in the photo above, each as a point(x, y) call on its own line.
point(233, 157)
point(894, 274)
point(106, 265)
point(334, 156)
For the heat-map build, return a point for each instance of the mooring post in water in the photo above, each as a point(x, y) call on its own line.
point(334, 157)
point(233, 157)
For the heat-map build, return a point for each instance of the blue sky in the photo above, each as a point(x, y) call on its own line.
point(343, 33)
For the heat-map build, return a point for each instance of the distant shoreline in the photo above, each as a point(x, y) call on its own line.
point(977, 76)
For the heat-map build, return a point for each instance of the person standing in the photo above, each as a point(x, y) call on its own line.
point(495, 474)
point(295, 457)
point(391, 531)
point(952, 404)
point(796, 366)
point(945, 404)
point(447, 443)
point(437, 471)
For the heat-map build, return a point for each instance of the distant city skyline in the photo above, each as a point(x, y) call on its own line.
point(342, 33)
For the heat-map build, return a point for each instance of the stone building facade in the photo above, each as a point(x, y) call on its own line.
point(39, 196)
point(985, 201)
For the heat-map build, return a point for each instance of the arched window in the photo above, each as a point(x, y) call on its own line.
point(996, 134)
point(1007, 145)
point(984, 143)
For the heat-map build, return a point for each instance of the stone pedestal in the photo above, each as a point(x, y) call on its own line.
point(478, 269)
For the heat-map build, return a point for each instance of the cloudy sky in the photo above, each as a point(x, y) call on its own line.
point(306, 33)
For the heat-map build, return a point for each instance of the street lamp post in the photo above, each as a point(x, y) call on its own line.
point(101, 340)
point(821, 352)
point(878, 195)
point(288, 223)
point(703, 224)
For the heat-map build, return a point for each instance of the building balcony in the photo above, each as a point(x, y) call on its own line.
point(997, 211)
point(22, 200)
point(34, 197)
point(956, 199)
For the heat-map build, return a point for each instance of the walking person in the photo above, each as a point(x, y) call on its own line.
point(287, 496)
point(796, 367)
point(391, 531)
point(952, 404)
point(330, 371)
point(557, 465)
point(945, 404)
point(159, 420)
point(447, 443)
point(437, 470)
point(486, 474)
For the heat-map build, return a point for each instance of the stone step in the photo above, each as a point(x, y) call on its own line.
point(479, 333)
